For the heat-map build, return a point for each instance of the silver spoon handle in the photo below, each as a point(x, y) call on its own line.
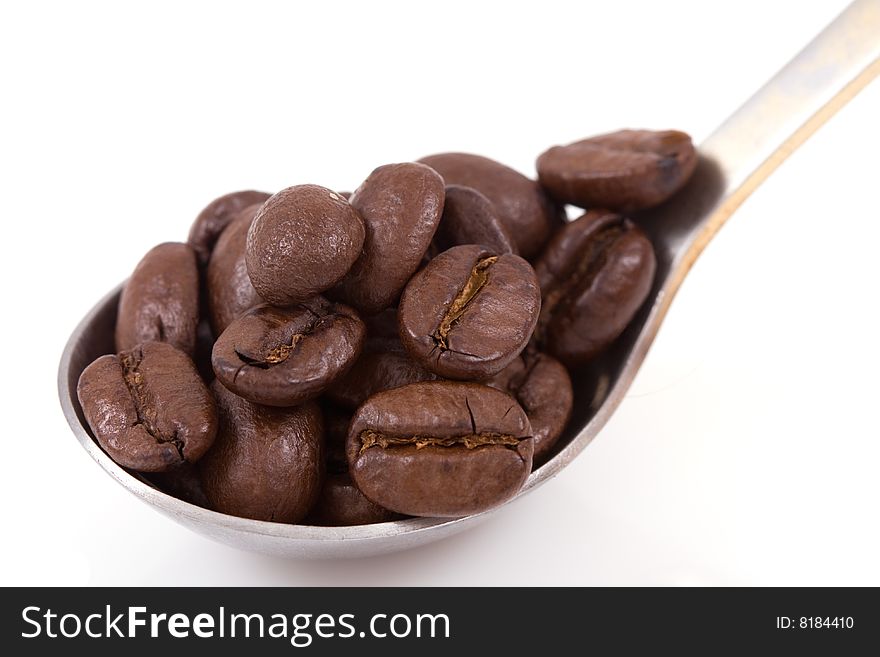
point(793, 104)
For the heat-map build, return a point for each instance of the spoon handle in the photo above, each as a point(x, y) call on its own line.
point(734, 160)
point(790, 107)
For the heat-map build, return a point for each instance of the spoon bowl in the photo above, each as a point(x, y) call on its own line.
point(734, 160)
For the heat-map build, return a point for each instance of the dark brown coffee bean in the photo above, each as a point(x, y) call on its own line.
point(229, 288)
point(183, 482)
point(541, 385)
point(625, 171)
point(303, 241)
point(401, 205)
point(148, 407)
point(211, 222)
point(594, 274)
point(469, 312)
point(440, 448)
point(160, 302)
point(285, 356)
point(267, 463)
point(470, 218)
point(526, 211)
point(340, 502)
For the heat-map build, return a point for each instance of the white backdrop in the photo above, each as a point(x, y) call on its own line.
point(745, 453)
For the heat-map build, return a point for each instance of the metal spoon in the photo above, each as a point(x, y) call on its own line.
point(735, 159)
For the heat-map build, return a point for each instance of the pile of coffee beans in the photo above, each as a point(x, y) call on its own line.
point(323, 358)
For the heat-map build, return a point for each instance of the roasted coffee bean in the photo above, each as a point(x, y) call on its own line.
point(211, 222)
point(401, 205)
point(303, 241)
point(229, 288)
point(160, 302)
point(148, 407)
point(469, 312)
point(522, 206)
point(541, 385)
point(594, 274)
point(267, 462)
point(181, 481)
point(625, 171)
point(340, 502)
point(470, 218)
point(285, 356)
point(440, 448)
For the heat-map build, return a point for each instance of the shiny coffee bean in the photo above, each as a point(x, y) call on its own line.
point(285, 356)
point(303, 241)
point(218, 214)
point(541, 385)
point(401, 205)
point(624, 171)
point(148, 407)
point(340, 503)
point(440, 448)
point(469, 312)
point(229, 288)
point(160, 302)
point(267, 462)
point(522, 206)
point(594, 274)
point(470, 218)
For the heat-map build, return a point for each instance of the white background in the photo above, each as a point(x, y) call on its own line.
point(746, 452)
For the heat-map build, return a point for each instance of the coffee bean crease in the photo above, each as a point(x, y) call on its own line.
point(146, 417)
point(579, 276)
point(478, 278)
point(370, 438)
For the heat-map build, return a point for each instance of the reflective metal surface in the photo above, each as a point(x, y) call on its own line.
point(735, 159)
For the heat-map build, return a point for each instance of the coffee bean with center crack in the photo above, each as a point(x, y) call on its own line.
point(440, 448)
point(285, 356)
point(594, 274)
point(469, 312)
point(148, 407)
